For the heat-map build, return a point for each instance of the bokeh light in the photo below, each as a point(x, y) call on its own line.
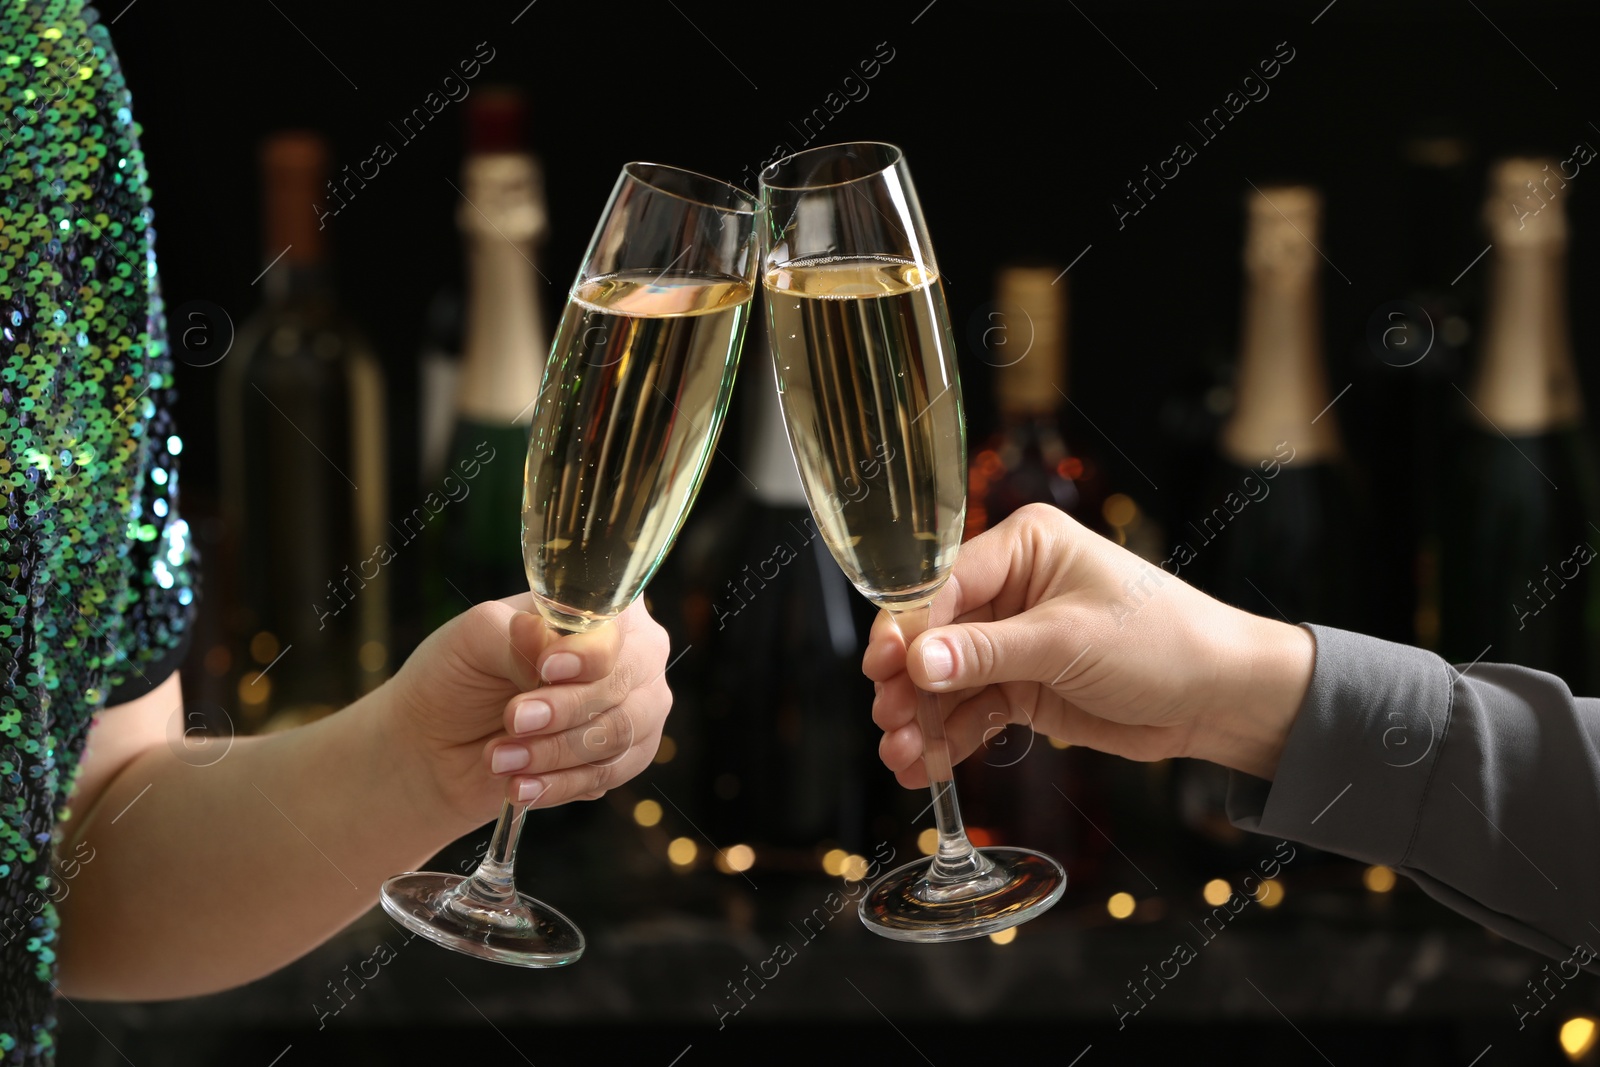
point(647, 813)
point(682, 851)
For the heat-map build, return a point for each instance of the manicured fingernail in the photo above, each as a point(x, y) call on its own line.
point(561, 666)
point(508, 758)
point(938, 660)
point(530, 790)
point(531, 715)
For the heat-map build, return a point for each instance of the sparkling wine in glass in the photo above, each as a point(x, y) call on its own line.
point(633, 398)
point(866, 370)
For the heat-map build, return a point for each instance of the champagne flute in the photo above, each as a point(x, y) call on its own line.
point(633, 399)
point(866, 370)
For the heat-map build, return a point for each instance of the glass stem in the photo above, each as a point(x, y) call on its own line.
point(956, 860)
point(492, 884)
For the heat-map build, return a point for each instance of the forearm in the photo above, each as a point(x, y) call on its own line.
point(1471, 784)
point(202, 878)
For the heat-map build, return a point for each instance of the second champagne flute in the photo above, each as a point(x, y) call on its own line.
point(867, 372)
point(624, 425)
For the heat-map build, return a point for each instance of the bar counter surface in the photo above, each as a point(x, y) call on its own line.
point(725, 968)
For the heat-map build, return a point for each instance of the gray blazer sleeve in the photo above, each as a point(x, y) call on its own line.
point(1483, 787)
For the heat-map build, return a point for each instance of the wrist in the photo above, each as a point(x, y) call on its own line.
point(1264, 673)
point(409, 763)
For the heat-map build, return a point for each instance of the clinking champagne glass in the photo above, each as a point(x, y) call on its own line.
point(633, 398)
point(867, 374)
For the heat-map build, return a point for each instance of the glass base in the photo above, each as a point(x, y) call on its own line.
point(520, 931)
point(907, 906)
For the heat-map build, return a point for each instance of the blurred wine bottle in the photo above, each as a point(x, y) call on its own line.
point(1030, 459)
point(1278, 534)
point(1008, 785)
point(1524, 520)
point(305, 486)
point(1277, 537)
point(782, 752)
point(474, 511)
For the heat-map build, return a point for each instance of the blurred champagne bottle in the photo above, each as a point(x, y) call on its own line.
point(305, 485)
point(1523, 526)
point(474, 508)
point(1279, 534)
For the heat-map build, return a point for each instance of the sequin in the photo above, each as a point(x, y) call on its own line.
point(95, 560)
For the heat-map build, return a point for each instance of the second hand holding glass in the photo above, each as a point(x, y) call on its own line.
point(866, 371)
point(624, 426)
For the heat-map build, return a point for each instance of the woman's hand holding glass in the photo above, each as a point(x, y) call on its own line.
point(633, 398)
point(495, 706)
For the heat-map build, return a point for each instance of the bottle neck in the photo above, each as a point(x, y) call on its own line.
point(1282, 392)
point(1030, 346)
point(1526, 382)
point(502, 217)
point(292, 235)
point(504, 338)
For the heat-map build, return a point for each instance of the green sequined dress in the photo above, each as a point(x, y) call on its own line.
point(95, 589)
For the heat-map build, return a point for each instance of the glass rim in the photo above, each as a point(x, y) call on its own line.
point(896, 156)
point(645, 173)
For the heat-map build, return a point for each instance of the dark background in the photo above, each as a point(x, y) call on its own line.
point(1022, 122)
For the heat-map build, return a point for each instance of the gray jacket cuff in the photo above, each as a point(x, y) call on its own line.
point(1361, 753)
point(1483, 788)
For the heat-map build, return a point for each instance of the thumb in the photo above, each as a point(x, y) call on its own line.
point(495, 639)
point(1023, 648)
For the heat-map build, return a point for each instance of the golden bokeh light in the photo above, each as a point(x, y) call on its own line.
point(1271, 893)
point(1217, 892)
point(854, 868)
point(254, 688)
point(1119, 509)
point(833, 861)
point(928, 841)
point(667, 750)
point(647, 813)
point(1378, 879)
point(1577, 1037)
point(739, 858)
point(1121, 905)
point(1004, 937)
point(682, 851)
